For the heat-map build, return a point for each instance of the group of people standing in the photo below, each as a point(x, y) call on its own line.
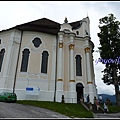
point(104, 105)
point(98, 102)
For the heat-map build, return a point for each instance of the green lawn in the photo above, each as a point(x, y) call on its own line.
point(71, 110)
point(112, 108)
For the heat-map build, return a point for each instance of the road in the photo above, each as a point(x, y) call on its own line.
point(15, 110)
point(108, 115)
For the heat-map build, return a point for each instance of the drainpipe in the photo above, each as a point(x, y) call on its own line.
point(17, 62)
point(56, 68)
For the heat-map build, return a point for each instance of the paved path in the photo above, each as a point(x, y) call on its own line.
point(108, 115)
point(15, 110)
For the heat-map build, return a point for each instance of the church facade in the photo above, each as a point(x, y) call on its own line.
point(45, 60)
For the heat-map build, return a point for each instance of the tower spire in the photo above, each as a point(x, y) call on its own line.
point(65, 21)
point(87, 13)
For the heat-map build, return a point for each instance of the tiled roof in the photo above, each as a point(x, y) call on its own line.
point(76, 25)
point(43, 25)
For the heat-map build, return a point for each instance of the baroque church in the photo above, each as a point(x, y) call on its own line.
point(45, 60)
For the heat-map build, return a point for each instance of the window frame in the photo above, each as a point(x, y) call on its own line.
point(25, 60)
point(78, 65)
point(44, 62)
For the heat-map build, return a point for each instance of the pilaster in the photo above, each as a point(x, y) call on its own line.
point(89, 75)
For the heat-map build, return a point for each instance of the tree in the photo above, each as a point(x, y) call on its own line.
point(109, 37)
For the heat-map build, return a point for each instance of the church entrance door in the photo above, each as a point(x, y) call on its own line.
point(79, 90)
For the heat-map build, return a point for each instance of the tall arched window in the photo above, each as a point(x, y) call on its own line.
point(44, 62)
point(78, 65)
point(25, 58)
point(1, 57)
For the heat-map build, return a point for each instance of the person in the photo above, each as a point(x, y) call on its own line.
point(95, 99)
point(105, 108)
point(97, 104)
point(100, 98)
point(107, 101)
point(88, 99)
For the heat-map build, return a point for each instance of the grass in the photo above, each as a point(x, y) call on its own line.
point(72, 110)
point(112, 108)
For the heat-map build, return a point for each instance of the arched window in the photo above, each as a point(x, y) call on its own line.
point(44, 62)
point(1, 57)
point(25, 58)
point(37, 41)
point(78, 65)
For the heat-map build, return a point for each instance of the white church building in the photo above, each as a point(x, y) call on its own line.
point(43, 60)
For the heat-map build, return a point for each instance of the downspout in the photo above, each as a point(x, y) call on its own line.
point(56, 68)
point(17, 62)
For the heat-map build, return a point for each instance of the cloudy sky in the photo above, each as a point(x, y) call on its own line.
point(18, 12)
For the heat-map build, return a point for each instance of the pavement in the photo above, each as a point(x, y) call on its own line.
point(107, 115)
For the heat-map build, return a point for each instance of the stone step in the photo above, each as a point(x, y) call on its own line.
point(94, 108)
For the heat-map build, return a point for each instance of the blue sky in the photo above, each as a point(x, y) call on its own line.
point(13, 13)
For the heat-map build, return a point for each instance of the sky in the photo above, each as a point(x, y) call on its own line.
point(14, 13)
